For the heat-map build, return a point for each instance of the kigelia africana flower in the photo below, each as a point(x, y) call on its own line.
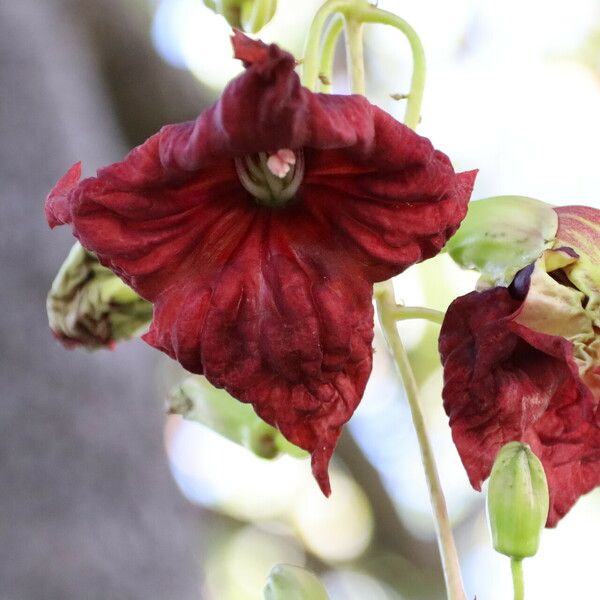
point(522, 362)
point(257, 232)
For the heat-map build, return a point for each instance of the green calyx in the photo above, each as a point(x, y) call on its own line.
point(249, 15)
point(89, 306)
point(517, 501)
point(502, 235)
point(287, 582)
point(197, 400)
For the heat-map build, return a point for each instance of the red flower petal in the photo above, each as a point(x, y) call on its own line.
point(250, 51)
point(579, 228)
point(57, 203)
point(505, 382)
point(272, 304)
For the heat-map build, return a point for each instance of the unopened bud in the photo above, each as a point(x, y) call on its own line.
point(249, 15)
point(259, 437)
point(287, 582)
point(197, 400)
point(88, 305)
point(502, 235)
point(517, 501)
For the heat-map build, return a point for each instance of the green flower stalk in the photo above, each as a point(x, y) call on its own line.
point(89, 306)
point(249, 15)
point(517, 506)
point(287, 582)
point(197, 400)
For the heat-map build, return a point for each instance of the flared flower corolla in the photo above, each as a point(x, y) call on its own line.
point(522, 363)
point(257, 231)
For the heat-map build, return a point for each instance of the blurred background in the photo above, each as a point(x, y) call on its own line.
point(103, 497)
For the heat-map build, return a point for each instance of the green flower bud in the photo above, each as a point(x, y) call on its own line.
point(259, 437)
point(517, 501)
point(502, 235)
point(197, 400)
point(249, 15)
point(88, 305)
point(287, 582)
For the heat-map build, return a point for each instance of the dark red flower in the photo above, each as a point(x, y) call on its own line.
point(257, 231)
point(522, 364)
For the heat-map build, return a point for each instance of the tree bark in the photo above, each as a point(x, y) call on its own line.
point(89, 509)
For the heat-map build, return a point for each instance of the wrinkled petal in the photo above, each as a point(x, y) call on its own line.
point(505, 382)
point(579, 228)
point(274, 305)
point(284, 325)
point(57, 204)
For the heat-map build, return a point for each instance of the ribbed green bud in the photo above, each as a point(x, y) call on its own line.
point(197, 400)
point(249, 15)
point(287, 582)
point(89, 306)
point(517, 501)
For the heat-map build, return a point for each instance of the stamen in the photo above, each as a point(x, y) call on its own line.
point(273, 179)
point(255, 188)
point(281, 162)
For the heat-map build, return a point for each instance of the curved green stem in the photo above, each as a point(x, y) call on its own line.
point(387, 310)
point(357, 12)
point(403, 313)
point(412, 116)
point(311, 62)
point(516, 567)
point(328, 53)
point(355, 54)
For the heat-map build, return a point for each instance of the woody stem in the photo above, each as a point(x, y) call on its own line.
point(387, 311)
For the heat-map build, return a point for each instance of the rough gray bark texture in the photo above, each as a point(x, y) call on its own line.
point(88, 509)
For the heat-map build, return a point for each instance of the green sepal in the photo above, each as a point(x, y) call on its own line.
point(502, 235)
point(517, 501)
point(197, 400)
point(287, 582)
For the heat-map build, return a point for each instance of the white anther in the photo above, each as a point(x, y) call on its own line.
point(281, 162)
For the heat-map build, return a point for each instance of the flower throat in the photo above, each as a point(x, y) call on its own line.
point(273, 179)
